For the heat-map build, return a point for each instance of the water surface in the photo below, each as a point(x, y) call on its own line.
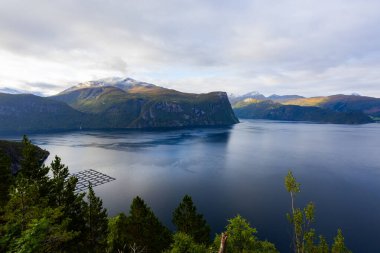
point(240, 170)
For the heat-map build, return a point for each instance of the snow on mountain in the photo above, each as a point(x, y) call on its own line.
point(121, 83)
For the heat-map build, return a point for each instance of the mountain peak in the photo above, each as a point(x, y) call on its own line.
point(119, 82)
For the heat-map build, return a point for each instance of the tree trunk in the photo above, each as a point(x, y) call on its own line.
point(223, 243)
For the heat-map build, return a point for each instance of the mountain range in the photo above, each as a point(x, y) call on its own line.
point(338, 109)
point(113, 103)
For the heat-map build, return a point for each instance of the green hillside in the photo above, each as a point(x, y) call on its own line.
point(275, 111)
point(122, 104)
point(13, 150)
point(342, 103)
point(29, 113)
point(145, 107)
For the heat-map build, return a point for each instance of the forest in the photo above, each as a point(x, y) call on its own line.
point(40, 211)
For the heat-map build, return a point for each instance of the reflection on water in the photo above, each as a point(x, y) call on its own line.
point(240, 170)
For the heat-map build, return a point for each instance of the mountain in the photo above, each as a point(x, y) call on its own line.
point(254, 95)
point(126, 103)
point(29, 113)
point(283, 98)
point(267, 109)
point(113, 103)
point(121, 83)
point(258, 96)
point(13, 150)
point(343, 103)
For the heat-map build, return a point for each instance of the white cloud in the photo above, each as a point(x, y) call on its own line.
point(305, 47)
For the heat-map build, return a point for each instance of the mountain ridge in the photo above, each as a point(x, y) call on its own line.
point(114, 103)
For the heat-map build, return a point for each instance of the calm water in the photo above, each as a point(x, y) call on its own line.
point(240, 170)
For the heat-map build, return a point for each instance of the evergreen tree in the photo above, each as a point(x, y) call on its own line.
point(338, 245)
point(145, 230)
point(44, 234)
point(24, 205)
point(62, 194)
point(187, 220)
point(117, 235)
point(5, 179)
point(31, 167)
point(96, 223)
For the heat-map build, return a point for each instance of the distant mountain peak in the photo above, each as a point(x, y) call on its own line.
point(253, 94)
point(125, 83)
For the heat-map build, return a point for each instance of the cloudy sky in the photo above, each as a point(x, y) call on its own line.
point(306, 47)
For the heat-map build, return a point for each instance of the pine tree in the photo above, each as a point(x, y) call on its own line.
point(96, 222)
point(62, 194)
point(187, 220)
point(5, 179)
point(44, 234)
point(117, 235)
point(145, 230)
point(31, 167)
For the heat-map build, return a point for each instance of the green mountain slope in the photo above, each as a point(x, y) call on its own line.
point(114, 103)
point(28, 113)
point(13, 150)
point(343, 103)
point(145, 106)
point(275, 111)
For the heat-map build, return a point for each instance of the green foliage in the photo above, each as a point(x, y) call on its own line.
point(31, 167)
point(268, 109)
point(184, 243)
point(323, 246)
point(338, 245)
point(117, 234)
point(96, 222)
point(44, 234)
point(304, 236)
point(292, 186)
point(187, 220)
point(145, 230)
point(5, 179)
point(242, 238)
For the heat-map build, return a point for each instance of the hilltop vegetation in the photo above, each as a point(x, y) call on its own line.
point(41, 212)
point(116, 103)
point(338, 109)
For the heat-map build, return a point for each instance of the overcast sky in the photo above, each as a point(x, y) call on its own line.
point(306, 47)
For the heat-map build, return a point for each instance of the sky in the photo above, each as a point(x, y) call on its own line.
point(305, 47)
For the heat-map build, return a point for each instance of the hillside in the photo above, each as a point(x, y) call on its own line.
point(268, 109)
point(29, 113)
point(126, 103)
point(113, 103)
point(342, 103)
point(13, 150)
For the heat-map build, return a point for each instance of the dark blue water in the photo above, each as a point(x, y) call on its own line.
point(240, 170)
